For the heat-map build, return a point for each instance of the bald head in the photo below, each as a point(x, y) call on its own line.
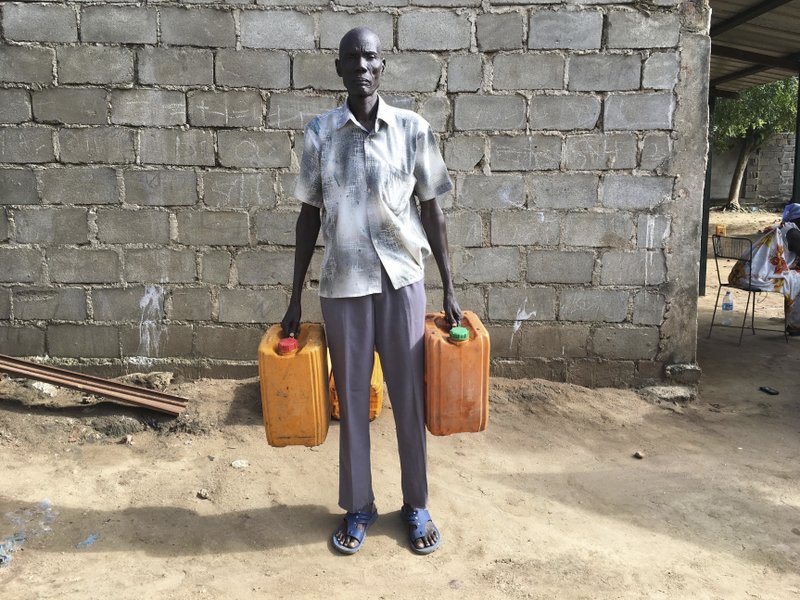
point(359, 37)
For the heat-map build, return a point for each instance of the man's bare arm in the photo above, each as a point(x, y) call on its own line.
point(306, 232)
point(434, 224)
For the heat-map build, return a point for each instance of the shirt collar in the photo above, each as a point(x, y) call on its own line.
point(386, 114)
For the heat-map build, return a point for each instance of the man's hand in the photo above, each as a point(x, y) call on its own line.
point(291, 320)
point(452, 311)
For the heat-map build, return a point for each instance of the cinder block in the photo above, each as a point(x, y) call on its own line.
point(160, 188)
point(656, 152)
point(595, 373)
point(68, 265)
point(653, 231)
point(559, 266)
point(26, 144)
point(636, 192)
point(316, 71)
point(639, 111)
point(213, 228)
point(564, 112)
point(522, 304)
point(5, 304)
point(253, 68)
point(490, 112)
point(21, 64)
point(436, 111)
point(118, 24)
point(110, 145)
point(3, 225)
point(411, 73)
point(209, 27)
point(175, 66)
point(62, 304)
point(492, 191)
point(22, 341)
point(159, 340)
point(564, 190)
point(661, 70)
point(528, 71)
point(553, 340)
point(282, 29)
point(648, 308)
point(20, 265)
point(464, 73)
point(39, 23)
point(160, 266)
point(597, 151)
point(122, 304)
point(433, 30)
point(310, 306)
point(80, 185)
point(15, 106)
point(223, 189)
point(229, 343)
point(176, 147)
point(255, 149)
point(593, 304)
point(633, 29)
point(400, 101)
point(293, 111)
point(157, 108)
point(525, 228)
point(52, 226)
point(191, 304)
point(252, 306)
point(18, 186)
point(94, 64)
point(641, 267)
point(115, 226)
point(464, 228)
point(215, 266)
point(525, 152)
point(469, 298)
point(633, 343)
point(445, 3)
point(83, 341)
point(485, 265)
point(463, 153)
point(574, 30)
point(499, 31)
point(604, 72)
point(259, 267)
point(599, 230)
point(276, 227)
point(333, 25)
point(225, 109)
point(71, 105)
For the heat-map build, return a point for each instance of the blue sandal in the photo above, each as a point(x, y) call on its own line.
point(353, 520)
point(417, 520)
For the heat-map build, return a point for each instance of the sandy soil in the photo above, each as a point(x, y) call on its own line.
point(549, 502)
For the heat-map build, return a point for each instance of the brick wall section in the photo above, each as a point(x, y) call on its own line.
point(148, 155)
point(770, 171)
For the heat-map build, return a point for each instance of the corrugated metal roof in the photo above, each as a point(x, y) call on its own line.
point(774, 33)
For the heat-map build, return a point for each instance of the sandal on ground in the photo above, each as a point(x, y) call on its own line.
point(353, 520)
point(417, 520)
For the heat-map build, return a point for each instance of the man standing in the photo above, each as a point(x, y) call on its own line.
point(362, 165)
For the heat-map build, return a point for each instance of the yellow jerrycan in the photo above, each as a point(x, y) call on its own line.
point(293, 374)
point(375, 391)
point(456, 375)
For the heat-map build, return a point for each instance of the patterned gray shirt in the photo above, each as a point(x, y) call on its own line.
point(364, 182)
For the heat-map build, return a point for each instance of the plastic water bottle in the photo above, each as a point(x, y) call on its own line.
point(727, 308)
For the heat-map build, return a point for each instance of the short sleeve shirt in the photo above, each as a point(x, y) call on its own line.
point(364, 182)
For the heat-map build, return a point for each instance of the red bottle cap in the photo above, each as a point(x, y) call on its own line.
point(287, 345)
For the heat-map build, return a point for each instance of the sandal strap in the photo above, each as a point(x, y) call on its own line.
point(418, 517)
point(353, 519)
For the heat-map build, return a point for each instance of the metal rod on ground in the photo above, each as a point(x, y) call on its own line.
point(167, 403)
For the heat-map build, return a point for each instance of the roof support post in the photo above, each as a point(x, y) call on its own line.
point(701, 286)
point(796, 181)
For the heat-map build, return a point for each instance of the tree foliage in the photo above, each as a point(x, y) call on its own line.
point(756, 114)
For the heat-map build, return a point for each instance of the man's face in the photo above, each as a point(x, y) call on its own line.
point(360, 63)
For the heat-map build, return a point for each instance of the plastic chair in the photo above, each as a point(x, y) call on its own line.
point(737, 248)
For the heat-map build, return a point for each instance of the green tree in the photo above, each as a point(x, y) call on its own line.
point(751, 118)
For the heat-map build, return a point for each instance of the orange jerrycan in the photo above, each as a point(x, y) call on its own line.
point(375, 391)
point(456, 375)
point(294, 386)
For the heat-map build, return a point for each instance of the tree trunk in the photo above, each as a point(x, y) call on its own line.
point(738, 176)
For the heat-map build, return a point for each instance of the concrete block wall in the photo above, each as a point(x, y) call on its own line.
point(148, 153)
point(770, 171)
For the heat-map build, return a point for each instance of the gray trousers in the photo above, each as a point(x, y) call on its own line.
point(392, 322)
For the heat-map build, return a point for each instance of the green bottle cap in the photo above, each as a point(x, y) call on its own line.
point(459, 334)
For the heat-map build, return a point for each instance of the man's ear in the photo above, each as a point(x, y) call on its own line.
point(338, 68)
point(383, 65)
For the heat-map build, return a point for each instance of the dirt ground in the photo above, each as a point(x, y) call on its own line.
point(549, 502)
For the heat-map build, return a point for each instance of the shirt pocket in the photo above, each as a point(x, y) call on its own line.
point(396, 188)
